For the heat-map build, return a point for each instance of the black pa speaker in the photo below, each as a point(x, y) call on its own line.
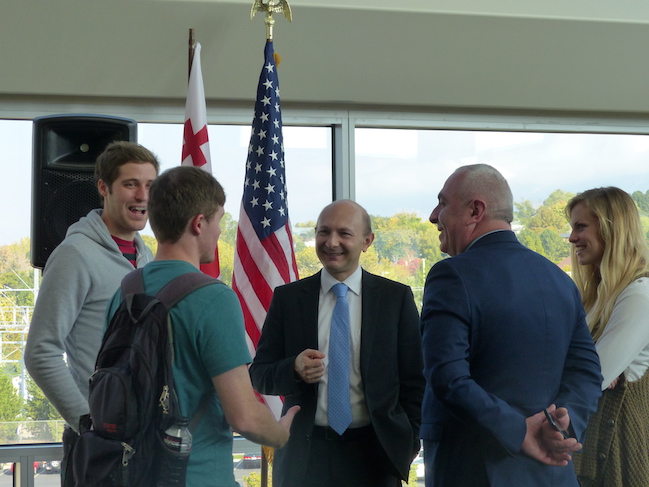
point(65, 148)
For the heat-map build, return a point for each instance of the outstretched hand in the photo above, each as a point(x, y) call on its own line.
point(287, 419)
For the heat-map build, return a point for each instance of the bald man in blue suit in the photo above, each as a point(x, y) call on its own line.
point(504, 337)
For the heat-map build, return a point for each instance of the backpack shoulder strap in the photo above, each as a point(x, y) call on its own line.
point(133, 283)
point(179, 287)
point(170, 295)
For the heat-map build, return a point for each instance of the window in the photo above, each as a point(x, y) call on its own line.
point(399, 173)
point(309, 182)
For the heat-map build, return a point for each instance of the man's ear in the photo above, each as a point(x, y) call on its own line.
point(196, 224)
point(102, 187)
point(369, 238)
point(478, 210)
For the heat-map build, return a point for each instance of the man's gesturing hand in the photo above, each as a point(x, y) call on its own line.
point(309, 365)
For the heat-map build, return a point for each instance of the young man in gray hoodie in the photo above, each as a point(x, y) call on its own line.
point(79, 279)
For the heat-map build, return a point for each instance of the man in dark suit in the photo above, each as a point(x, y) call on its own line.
point(385, 385)
point(504, 337)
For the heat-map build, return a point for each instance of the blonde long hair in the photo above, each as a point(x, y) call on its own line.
point(626, 253)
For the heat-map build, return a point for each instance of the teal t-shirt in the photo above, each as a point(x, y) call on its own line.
point(209, 339)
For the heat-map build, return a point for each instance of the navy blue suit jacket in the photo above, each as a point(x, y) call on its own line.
point(391, 369)
point(504, 336)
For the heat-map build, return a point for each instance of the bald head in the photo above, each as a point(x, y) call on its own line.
point(352, 209)
point(481, 181)
point(475, 200)
point(343, 232)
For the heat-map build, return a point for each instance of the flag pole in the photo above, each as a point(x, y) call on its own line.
point(192, 48)
point(270, 7)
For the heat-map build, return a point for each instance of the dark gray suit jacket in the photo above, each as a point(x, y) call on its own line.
point(391, 368)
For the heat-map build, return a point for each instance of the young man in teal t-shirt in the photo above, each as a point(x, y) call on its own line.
point(185, 211)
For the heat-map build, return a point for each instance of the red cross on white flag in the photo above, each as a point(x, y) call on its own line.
point(196, 147)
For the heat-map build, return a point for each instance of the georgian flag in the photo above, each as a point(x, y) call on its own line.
point(196, 147)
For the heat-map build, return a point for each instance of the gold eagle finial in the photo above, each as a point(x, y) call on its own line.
point(271, 7)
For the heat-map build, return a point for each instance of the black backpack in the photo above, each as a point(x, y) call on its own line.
point(132, 398)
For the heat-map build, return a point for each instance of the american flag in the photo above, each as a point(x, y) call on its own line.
point(196, 147)
point(264, 256)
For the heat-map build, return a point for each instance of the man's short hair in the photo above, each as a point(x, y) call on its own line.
point(486, 182)
point(177, 196)
point(119, 153)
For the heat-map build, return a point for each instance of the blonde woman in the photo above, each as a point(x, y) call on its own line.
point(610, 264)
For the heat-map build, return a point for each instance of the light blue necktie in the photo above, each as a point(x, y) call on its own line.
point(339, 405)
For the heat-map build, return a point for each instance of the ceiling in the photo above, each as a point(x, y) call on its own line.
point(579, 56)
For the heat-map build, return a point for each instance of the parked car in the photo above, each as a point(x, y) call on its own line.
point(251, 460)
point(53, 466)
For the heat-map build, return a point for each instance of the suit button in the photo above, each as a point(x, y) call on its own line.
point(602, 456)
point(610, 423)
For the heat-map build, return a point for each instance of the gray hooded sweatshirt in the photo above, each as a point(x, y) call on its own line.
point(79, 279)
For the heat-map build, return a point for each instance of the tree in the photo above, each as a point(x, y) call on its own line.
point(557, 202)
point(531, 240)
point(404, 237)
point(644, 221)
point(150, 242)
point(47, 421)
point(307, 261)
point(10, 402)
point(38, 407)
point(18, 280)
point(15, 257)
point(10, 408)
point(229, 228)
point(226, 261)
point(310, 224)
point(547, 218)
point(555, 247)
point(429, 244)
point(642, 200)
point(393, 239)
point(524, 211)
point(371, 262)
point(558, 197)
point(16, 272)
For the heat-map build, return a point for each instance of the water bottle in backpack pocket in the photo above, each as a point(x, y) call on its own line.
point(174, 450)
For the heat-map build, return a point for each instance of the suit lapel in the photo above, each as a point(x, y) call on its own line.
point(370, 298)
point(308, 300)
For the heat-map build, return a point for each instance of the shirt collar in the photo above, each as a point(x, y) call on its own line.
point(327, 281)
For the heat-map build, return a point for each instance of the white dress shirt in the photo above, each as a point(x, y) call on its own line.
point(326, 303)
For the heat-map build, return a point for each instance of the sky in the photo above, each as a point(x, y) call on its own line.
point(396, 169)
